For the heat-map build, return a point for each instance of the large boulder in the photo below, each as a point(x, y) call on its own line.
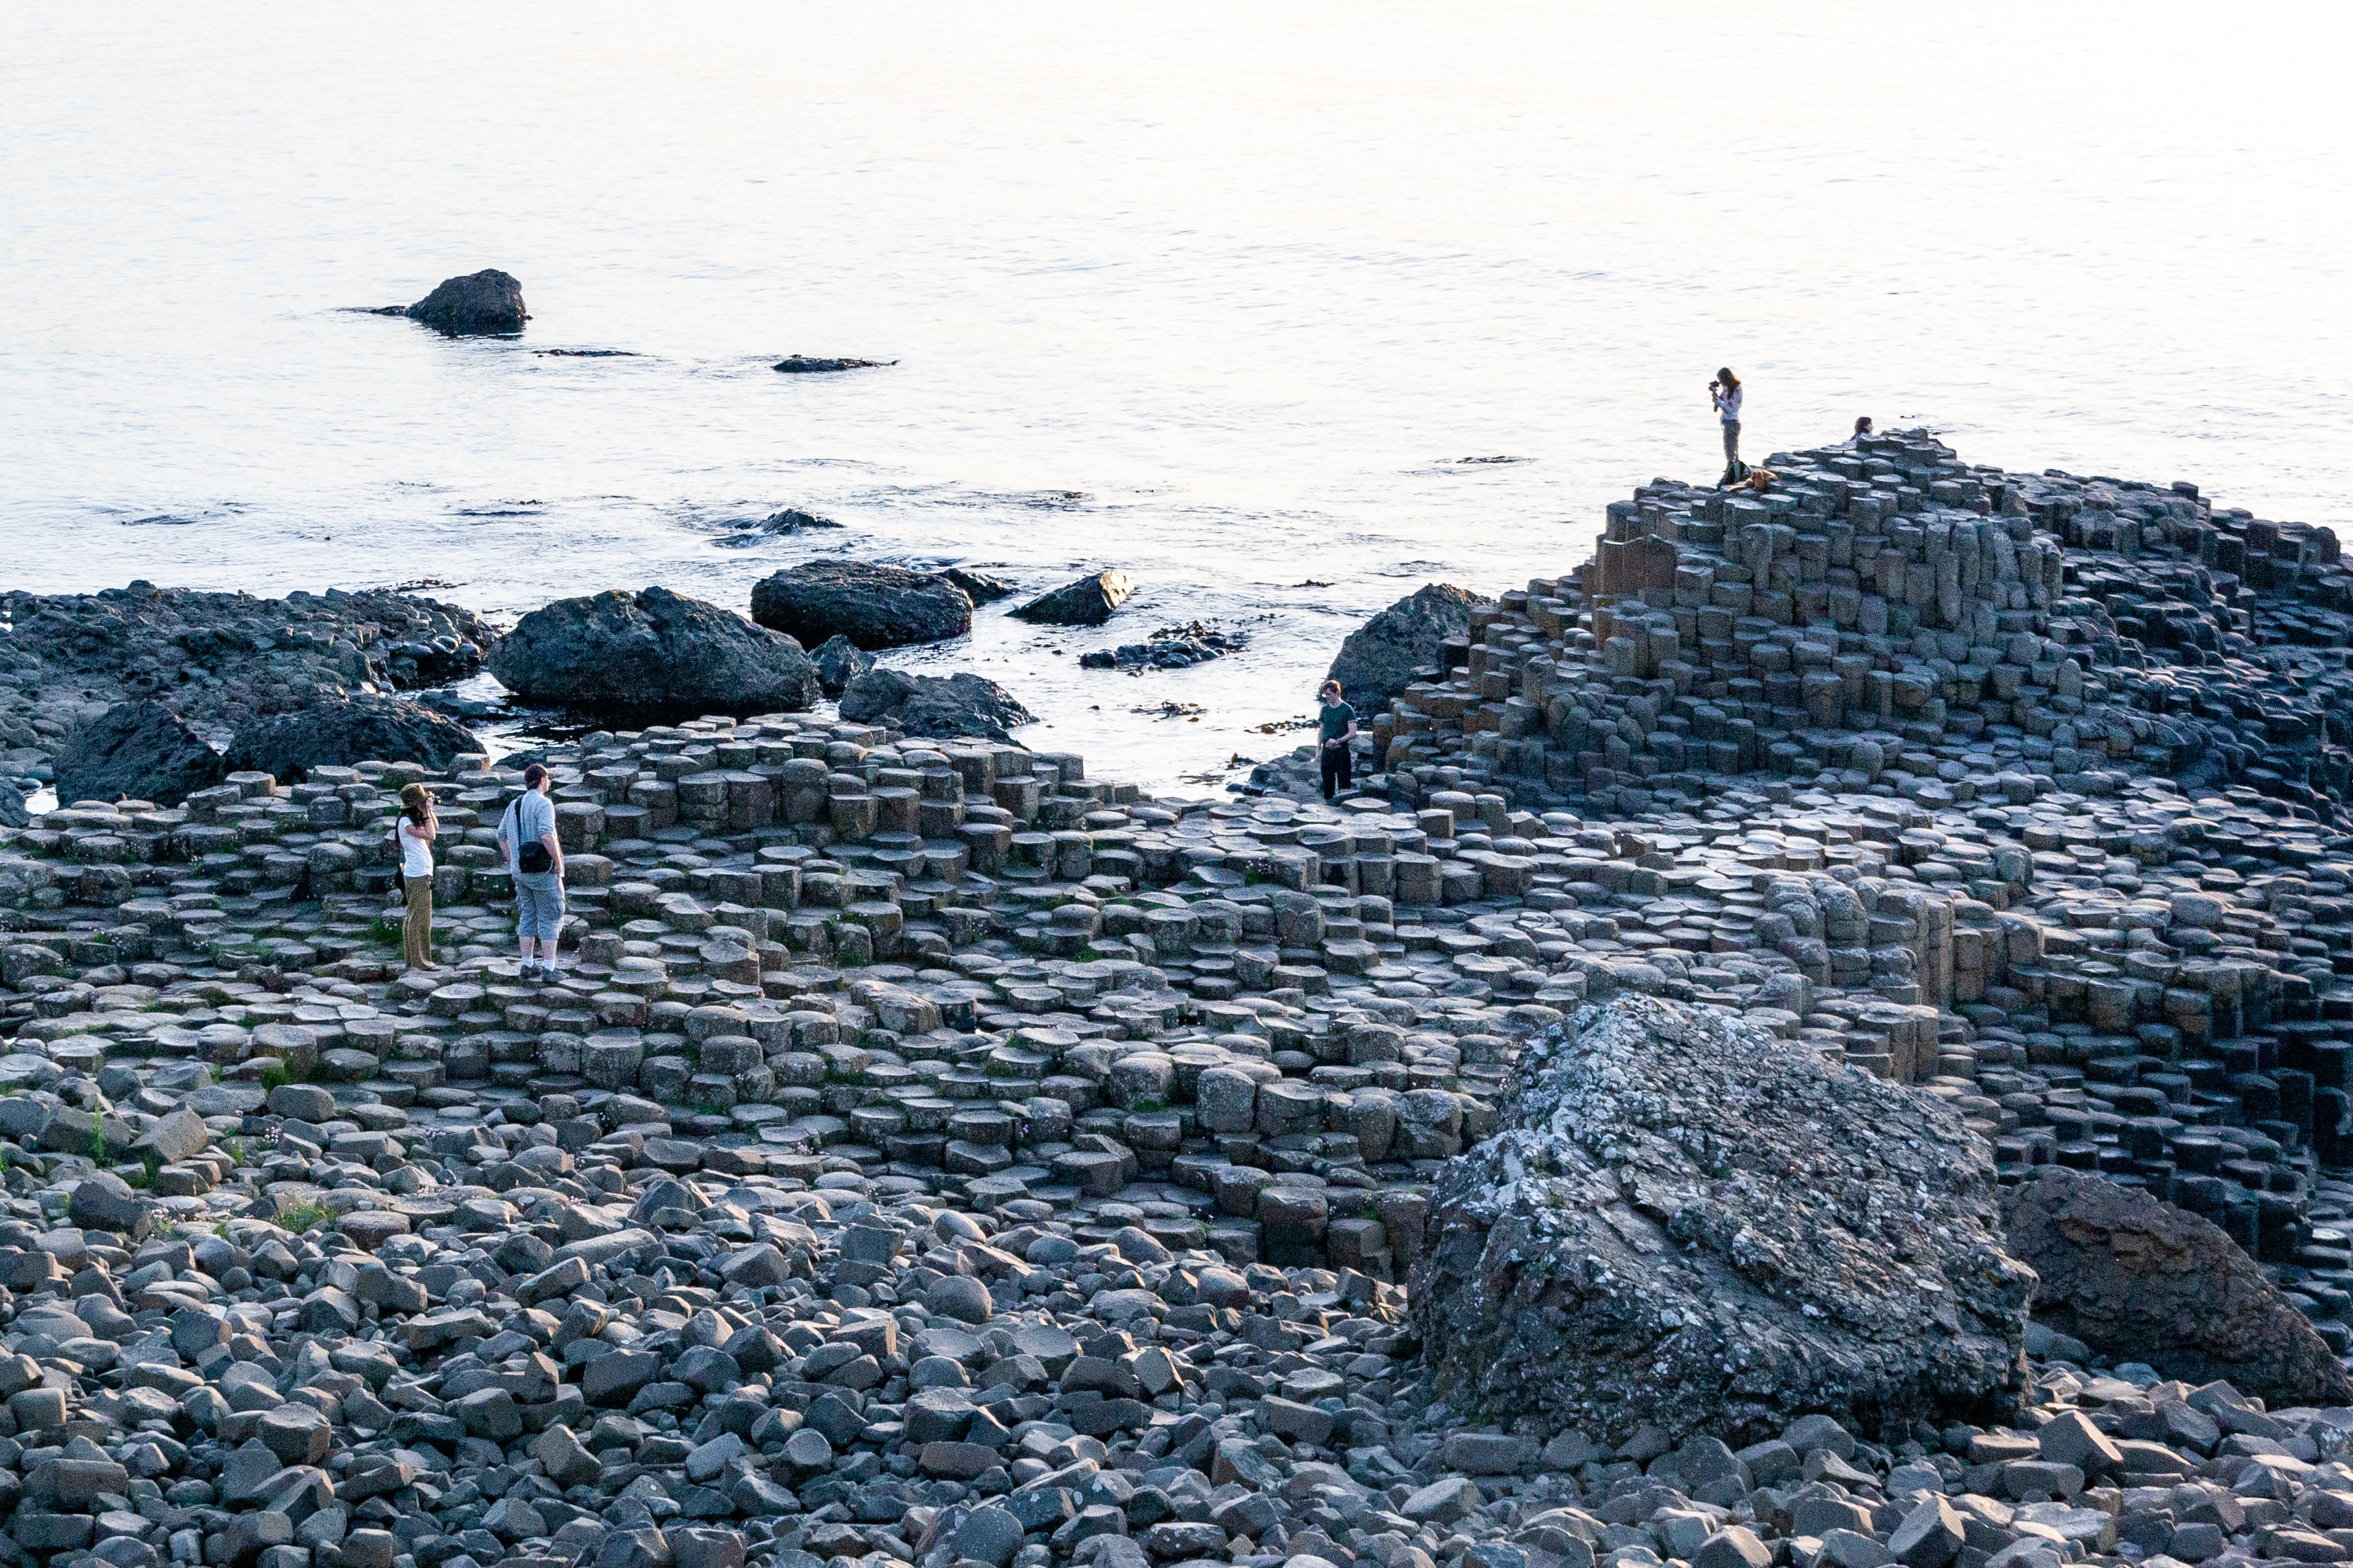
point(1088, 602)
point(653, 652)
point(1687, 1223)
point(141, 750)
point(367, 728)
point(875, 607)
point(1380, 658)
point(14, 812)
point(960, 704)
point(485, 302)
point(2135, 1278)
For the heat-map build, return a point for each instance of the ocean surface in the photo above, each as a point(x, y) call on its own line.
point(1221, 295)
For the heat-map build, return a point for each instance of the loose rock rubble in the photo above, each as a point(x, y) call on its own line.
point(933, 1155)
point(1169, 647)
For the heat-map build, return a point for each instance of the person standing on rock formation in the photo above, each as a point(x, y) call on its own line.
point(1724, 393)
point(535, 861)
point(1337, 724)
point(416, 828)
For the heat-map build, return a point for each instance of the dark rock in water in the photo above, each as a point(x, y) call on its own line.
point(337, 734)
point(960, 704)
point(838, 662)
point(792, 520)
point(980, 586)
point(141, 750)
point(1088, 602)
point(802, 364)
point(873, 605)
point(1170, 647)
point(653, 652)
point(481, 303)
point(1382, 656)
point(2139, 1279)
point(1688, 1223)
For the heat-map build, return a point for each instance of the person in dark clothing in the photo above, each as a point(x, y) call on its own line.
point(1337, 724)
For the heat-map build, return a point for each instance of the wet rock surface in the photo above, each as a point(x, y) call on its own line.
point(141, 750)
point(874, 606)
point(488, 303)
point(652, 651)
point(931, 1155)
point(1169, 647)
point(838, 662)
point(1088, 602)
point(2139, 1280)
point(806, 364)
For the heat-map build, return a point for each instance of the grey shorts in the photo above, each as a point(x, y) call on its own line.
point(539, 904)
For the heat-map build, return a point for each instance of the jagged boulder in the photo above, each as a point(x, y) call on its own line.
point(980, 587)
point(478, 304)
point(959, 704)
point(2135, 1278)
point(838, 662)
point(1687, 1223)
point(1088, 602)
point(139, 750)
point(874, 606)
point(653, 652)
point(1380, 658)
point(367, 728)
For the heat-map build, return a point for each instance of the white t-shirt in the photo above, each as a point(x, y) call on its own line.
point(1727, 404)
point(415, 853)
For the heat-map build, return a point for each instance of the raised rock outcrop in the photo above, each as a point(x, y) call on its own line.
point(136, 751)
point(1088, 602)
point(1686, 1223)
point(873, 604)
point(2139, 1279)
point(819, 365)
point(838, 662)
point(980, 587)
point(654, 652)
point(1387, 653)
point(939, 707)
point(480, 304)
point(337, 734)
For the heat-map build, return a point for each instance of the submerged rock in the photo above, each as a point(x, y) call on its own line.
point(873, 606)
point(1088, 602)
point(2138, 1279)
point(653, 652)
point(980, 586)
point(792, 520)
point(804, 364)
point(959, 704)
point(1687, 1223)
point(838, 662)
point(478, 304)
point(1169, 647)
point(337, 734)
point(138, 751)
point(1380, 658)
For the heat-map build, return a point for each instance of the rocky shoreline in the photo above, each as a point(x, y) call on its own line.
point(932, 1154)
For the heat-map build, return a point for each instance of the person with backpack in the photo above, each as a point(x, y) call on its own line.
point(1724, 393)
point(413, 831)
point(535, 862)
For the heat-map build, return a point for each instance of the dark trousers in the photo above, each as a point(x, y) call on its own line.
point(1337, 768)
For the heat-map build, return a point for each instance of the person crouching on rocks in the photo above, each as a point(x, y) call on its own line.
point(1337, 723)
point(1724, 393)
point(535, 861)
point(416, 828)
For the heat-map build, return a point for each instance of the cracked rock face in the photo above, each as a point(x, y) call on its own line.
point(1686, 1223)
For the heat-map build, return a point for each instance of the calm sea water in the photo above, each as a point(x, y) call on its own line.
point(1218, 294)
